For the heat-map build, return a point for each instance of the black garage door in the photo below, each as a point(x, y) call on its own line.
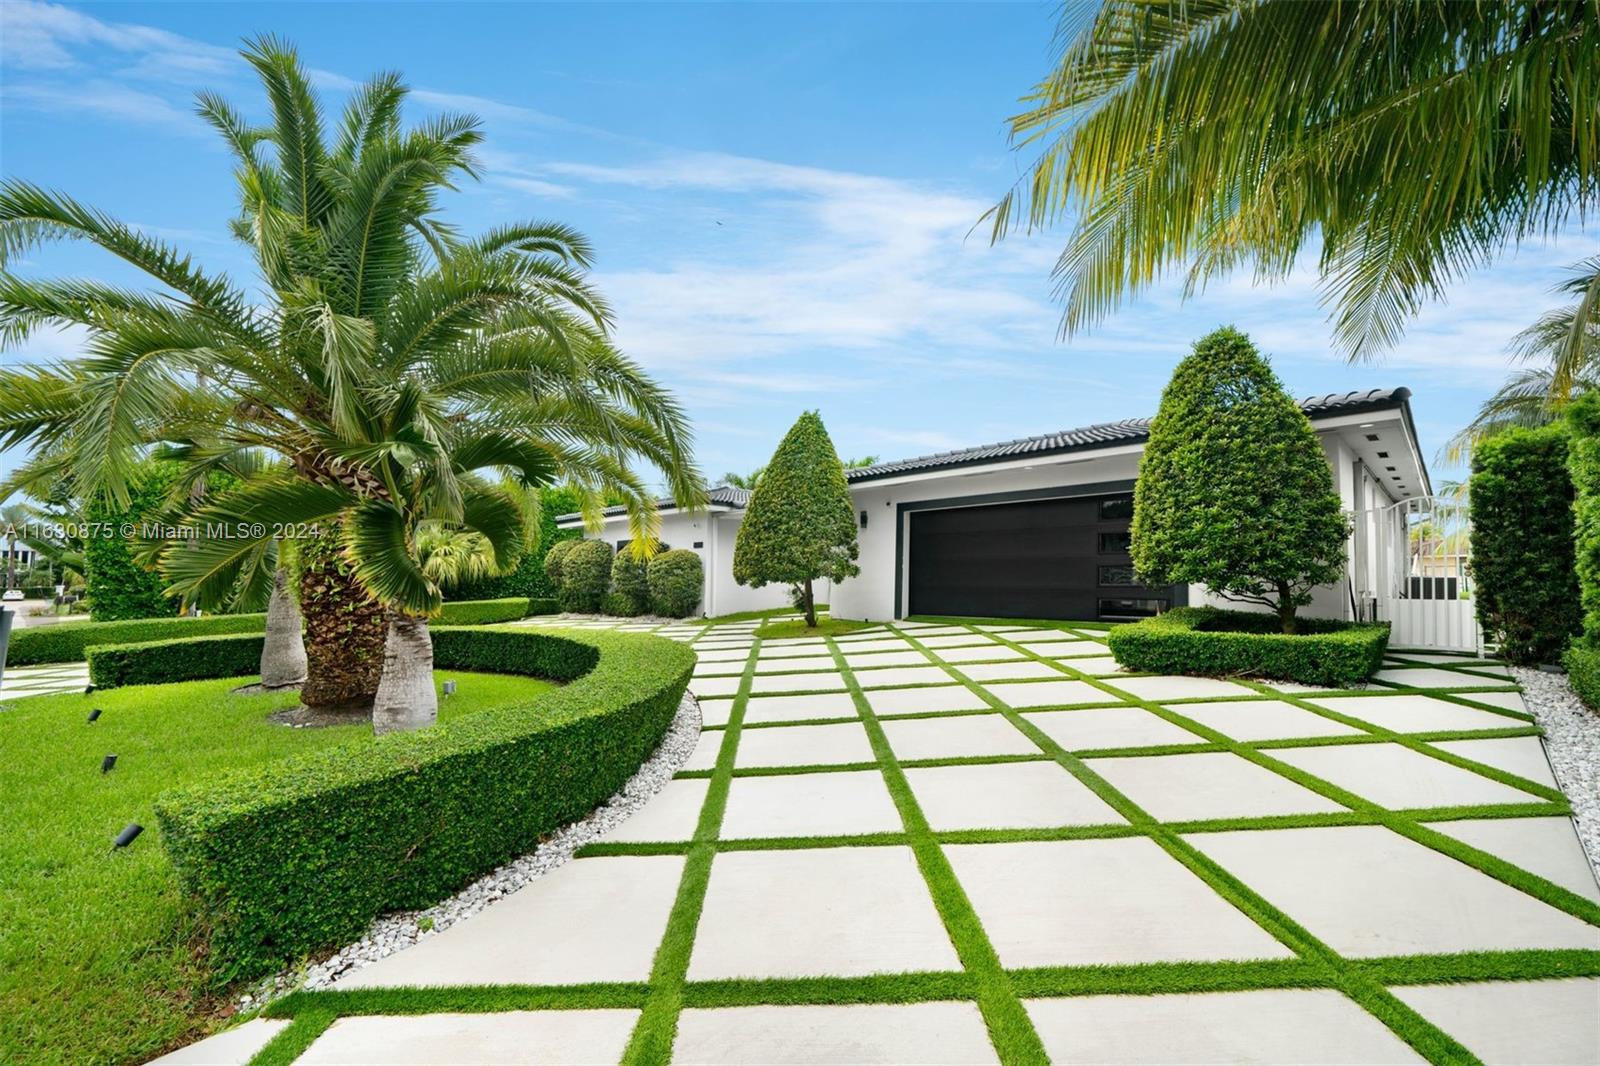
point(1064, 558)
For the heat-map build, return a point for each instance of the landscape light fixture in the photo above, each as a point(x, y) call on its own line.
point(449, 688)
point(107, 763)
point(94, 714)
point(88, 690)
point(128, 835)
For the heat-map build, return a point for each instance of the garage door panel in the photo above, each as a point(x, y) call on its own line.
point(1039, 559)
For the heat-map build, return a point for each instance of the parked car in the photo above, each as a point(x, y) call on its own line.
point(12, 594)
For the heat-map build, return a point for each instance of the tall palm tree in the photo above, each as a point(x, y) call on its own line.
point(387, 362)
point(1414, 140)
point(1563, 347)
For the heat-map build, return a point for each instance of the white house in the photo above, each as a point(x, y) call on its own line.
point(1038, 527)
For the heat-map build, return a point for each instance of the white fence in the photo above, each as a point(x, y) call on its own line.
point(1425, 589)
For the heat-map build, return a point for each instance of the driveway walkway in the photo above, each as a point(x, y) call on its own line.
point(953, 843)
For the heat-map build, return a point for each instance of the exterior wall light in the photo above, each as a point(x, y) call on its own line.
point(863, 520)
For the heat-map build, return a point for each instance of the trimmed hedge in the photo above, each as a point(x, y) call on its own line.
point(630, 586)
point(543, 605)
point(585, 575)
point(160, 662)
point(677, 579)
point(1522, 544)
point(482, 612)
point(1582, 664)
point(65, 643)
point(1212, 642)
point(301, 854)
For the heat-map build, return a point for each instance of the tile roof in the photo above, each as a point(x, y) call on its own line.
point(1084, 438)
point(1108, 434)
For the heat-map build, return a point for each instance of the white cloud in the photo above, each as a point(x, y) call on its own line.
point(41, 36)
point(104, 98)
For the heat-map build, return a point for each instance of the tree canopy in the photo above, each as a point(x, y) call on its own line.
point(1234, 490)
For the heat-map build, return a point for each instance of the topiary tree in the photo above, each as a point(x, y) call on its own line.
point(585, 575)
point(676, 579)
point(799, 525)
point(1234, 490)
point(552, 562)
point(1522, 543)
point(630, 584)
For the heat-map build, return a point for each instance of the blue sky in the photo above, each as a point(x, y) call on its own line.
point(782, 199)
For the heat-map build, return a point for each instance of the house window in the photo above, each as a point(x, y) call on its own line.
point(1117, 543)
point(1117, 575)
point(1116, 507)
point(1131, 608)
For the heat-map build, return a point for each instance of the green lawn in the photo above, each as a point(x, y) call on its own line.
point(94, 957)
point(796, 627)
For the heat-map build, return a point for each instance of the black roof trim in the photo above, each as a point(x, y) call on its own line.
point(1110, 435)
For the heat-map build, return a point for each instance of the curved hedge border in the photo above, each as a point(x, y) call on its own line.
point(1186, 640)
point(68, 641)
point(302, 853)
point(160, 662)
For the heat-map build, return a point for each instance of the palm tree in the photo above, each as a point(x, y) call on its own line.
point(14, 521)
point(1414, 141)
point(744, 481)
point(388, 363)
point(1565, 346)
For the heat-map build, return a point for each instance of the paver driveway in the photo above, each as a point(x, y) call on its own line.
point(954, 843)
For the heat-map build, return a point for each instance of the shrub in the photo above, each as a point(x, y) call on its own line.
point(800, 524)
point(585, 575)
point(119, 588)
point(630, 585)
point(65, 643)
point(1583, 465)
point(1522, 544)
point(482, 612)
point(1582, 663)
point(543, 605)
point(677, 579)
point(159, 662)
point(529, 578)
point(302, 853)
point(1234, 490)
point(552, 563)
point(1208, 641)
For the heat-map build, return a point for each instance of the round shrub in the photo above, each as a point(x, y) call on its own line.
point(554, 558)
point(630, 585)
point(676, 578)
point(1522, 544)
point(585, 576)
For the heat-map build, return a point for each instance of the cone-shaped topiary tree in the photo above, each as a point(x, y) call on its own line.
point(1234, 490)
point(799, 525)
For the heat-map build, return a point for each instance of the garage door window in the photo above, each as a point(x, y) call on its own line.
point(1116, 508)
point(1131, 608)
point(1117, 575)
point(1117, 542)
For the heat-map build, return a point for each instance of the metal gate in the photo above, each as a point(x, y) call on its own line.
point(1425, 585)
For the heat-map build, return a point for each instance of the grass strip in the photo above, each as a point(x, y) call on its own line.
point(794, 991)
point(293, 1039)
point(1010, 1029)
point(461, 999)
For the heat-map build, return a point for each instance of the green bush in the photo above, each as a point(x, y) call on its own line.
point(1522, 544)
point(1583, 464)
point(552, 563)
point(300, 854)
point(1211, 642)
point(677, 579)
point(585, 575)
point(159, 662)
point(1234, 489)
point(630, 586)
point(65, 643)
point(800, 524)
point(543, 605)
point(1582, 664)
point(529, 578)
point(617, 605)
point(482, 612)
point(118, 587)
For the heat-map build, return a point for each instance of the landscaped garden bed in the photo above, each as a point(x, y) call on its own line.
point(277, 842)
point(1217, 643)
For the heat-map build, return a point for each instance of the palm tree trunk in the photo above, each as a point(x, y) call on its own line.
point(283, 655)
point(406, 698)
point(344, 627)
point(11, 559)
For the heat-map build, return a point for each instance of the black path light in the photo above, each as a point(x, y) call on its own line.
point(107, 763)
point(94, 714)
point(128, 835)
point(88, 690)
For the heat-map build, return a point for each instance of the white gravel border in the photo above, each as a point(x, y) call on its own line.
point(1572, 741)
point(395, 932)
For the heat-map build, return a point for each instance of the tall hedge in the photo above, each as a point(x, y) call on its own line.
point(800, 524)
point(586, 576)
point(1234, 490)
point(118, 587)
point(1522, 544)
point(1583, 465)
